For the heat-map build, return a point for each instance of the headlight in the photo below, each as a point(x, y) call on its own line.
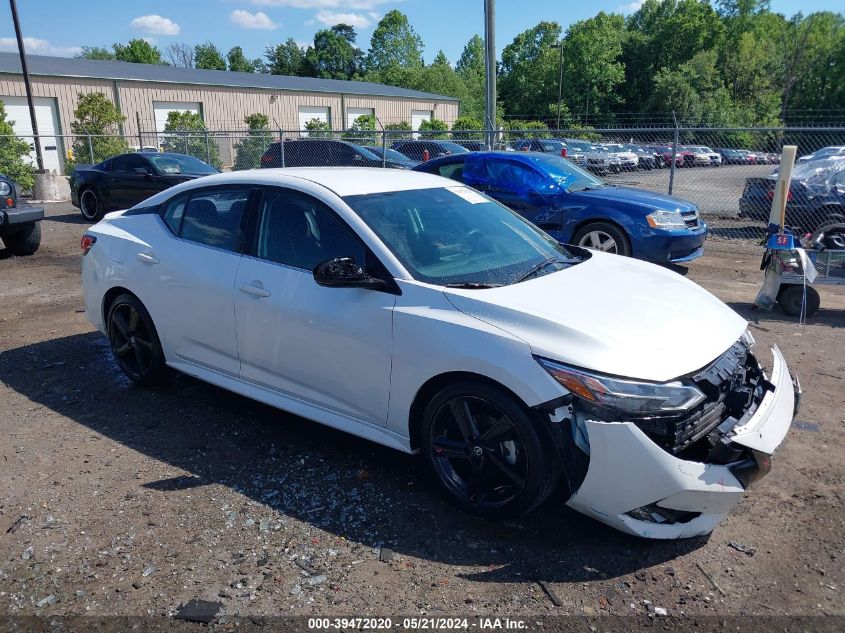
point(5, 188)
point(662, 219)
point(625, 395)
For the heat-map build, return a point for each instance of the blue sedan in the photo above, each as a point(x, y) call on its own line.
point(575, 207)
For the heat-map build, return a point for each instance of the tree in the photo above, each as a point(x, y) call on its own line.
point(185, 133)
point(434, 129)
point(593, 69)
point(96, 127)
point(472, 71)
point(519, 128)
point(137, 51)
point(248, 151)
point(238, 62)
point(13, 153)
point(285, 59)
point(333, 55)
point(394, 43)
point(528, 73)
point(315, 128)
point(180, 55)
point(362, 130)
point(96, 52)
point(207, 57)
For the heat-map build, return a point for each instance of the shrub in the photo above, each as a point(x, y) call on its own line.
point(318, 129)
point(467, 127)
point(434, 129)
point(248, 151)
point(97, 128)
point(185, 133)
point(362, 130)
point(400, 131)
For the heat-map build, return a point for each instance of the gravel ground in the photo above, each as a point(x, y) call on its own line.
point(116, 500)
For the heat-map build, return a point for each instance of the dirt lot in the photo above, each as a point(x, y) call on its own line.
point(117, 500)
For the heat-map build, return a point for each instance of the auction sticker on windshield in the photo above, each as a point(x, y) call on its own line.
point(473, 197)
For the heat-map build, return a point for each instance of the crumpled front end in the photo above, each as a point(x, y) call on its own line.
point(679, 477)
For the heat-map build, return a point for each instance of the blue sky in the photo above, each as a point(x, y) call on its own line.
point(59, 27)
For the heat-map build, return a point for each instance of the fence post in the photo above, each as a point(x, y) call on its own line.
point(674, 155)
point(384, 148)
point(90, 148)
point(140, 138)
point(207, 149)
point(185, 135)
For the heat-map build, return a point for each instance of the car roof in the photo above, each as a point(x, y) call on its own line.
point(344, 181)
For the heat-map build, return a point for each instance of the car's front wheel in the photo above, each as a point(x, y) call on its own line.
point(25, 241)
point(603, 236)
point(134, 342)
point(487, 450)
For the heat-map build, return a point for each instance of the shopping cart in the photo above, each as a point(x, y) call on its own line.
point(796, 295)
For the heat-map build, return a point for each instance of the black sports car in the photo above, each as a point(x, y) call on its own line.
point(125, 180)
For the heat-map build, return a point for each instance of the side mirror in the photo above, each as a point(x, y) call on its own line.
point(343, 272)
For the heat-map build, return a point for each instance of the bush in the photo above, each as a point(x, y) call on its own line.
point(519, 129)
point(248, 151)
point(434, 129)
point(96, 126)
point(13, 152)
point(318, 129)
point(466, 128)
point(400, 131)
point(362, 130)
point(185, 133)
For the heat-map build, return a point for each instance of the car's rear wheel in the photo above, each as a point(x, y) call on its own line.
point(791, 300)
point(25, 240)
point(90, 205)
point(487, 451)
point(603, 236)
point(135, 343)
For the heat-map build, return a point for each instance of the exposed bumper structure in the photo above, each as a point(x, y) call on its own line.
point(629, 477)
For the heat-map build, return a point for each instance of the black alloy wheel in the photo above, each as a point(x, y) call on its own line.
point(134, 341)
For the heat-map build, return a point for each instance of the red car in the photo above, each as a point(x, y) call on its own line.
point(665, 154)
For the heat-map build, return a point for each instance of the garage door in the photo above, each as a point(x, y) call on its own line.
point(163, 108)
point(307, 113)
point(47, 118)
point(354, 113)
point(417, 117)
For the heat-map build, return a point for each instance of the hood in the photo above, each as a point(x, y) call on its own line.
point(613, 315)
point(640, 197)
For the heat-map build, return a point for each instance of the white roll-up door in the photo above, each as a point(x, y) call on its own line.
point(163, 108)
point(418, 116)
point(354, 113)
point(307, 113)
point(47, 118)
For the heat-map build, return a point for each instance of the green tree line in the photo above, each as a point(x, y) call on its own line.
point(721, 63)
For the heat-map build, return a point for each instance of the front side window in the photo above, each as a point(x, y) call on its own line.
point(455, 235)
point(300, 231)
point(214, 217)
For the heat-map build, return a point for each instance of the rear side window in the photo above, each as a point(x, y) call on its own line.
point(455, 171)
point(212, 217)
point(173, 213)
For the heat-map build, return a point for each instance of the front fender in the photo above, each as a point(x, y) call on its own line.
point(573, 217)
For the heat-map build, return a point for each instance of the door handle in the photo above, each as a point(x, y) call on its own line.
point(256, 291)
point(147, 258)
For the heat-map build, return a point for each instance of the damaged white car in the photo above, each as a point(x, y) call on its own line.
point(420, 314)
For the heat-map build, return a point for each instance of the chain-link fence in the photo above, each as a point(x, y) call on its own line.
point(727, 173)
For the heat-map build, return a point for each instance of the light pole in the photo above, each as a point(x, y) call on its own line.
point(559, 46)
point(22, 52)
point(490, 69)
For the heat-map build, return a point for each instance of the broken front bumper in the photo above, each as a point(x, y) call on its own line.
point(629, 477)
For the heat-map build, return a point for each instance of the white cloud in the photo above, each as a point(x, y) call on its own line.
point(354, 5)
point(330, 18)
point(155, 24)
point(632, 7)
point(248, 20)
point(38, 46)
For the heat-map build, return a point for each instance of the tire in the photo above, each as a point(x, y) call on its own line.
point(90, 205)
point(830, 216)
point(135, 343)
point(24, 241)
point(502, 464)
point(791, 297)
point(596, 233)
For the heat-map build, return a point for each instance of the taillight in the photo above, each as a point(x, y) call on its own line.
point(563, 153)
point(87, 242)
point(10, 202)
point(266, 159)
point(770, 194)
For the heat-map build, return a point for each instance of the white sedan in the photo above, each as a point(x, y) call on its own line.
point(418, 313)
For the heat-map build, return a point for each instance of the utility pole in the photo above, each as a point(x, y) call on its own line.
point(22, 51)
point(490, 60)
point(559, 81)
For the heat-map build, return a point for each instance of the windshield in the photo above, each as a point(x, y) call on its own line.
point(552, 146)
point(566, 174)
point(177, 164)
point(457, 236)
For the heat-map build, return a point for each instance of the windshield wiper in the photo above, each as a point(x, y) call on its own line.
point(472, 285)
point(546, 262)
